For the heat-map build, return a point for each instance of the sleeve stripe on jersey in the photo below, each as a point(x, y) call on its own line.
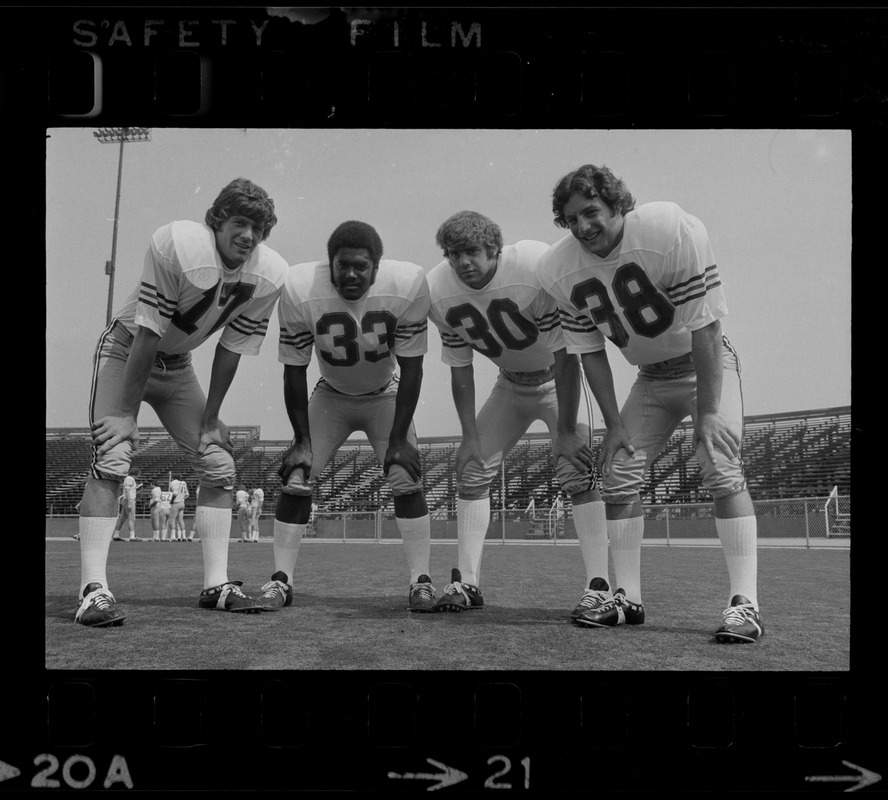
point(548, 322)
point(149, 295)
point(300, 340)
point(457, 344)
point(576, 324)
point(694, 287)
point(405, 332)
point(250, 327)
point(452, 339)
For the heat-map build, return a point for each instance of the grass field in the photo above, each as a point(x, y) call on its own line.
point(350, 612)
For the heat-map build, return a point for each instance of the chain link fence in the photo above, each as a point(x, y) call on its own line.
point(802, 522)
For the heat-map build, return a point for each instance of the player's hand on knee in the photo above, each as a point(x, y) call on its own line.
point(615, 439)
point(571, 447)
point(404, 455)
point(713, 432)
point(215, 432)
point(111, 430)
point(296, 455)
point(469, 450)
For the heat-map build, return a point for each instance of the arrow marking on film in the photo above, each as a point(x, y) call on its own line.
point(864, 777)
point(448, 777)
point(8, 771)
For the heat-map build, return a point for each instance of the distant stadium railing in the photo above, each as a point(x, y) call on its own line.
point(803, 522)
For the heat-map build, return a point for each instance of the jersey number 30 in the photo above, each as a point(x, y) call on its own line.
point(646, 310)
point(476, 327)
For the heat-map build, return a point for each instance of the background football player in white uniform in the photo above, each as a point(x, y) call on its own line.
point(198, 279)
point(487, 297)
point(177, 510)
point(154, 510)
point(257, 499)
point(646, 279)
point(164, 515)
point(242, 506)
point(363, 316)
point(127, 505)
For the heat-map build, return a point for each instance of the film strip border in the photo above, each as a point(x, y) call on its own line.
point(335, 731)
point(451, 67)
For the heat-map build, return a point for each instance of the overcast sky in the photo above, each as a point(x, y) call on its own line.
point(776, 203)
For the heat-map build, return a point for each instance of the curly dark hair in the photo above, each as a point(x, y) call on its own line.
point(469, 227)
point(590, 181)
point(357, 235)
point(243, 198)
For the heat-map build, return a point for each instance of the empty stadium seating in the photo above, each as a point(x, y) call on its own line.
point(803, 454)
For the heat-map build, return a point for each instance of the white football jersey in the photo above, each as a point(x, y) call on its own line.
point(241, 498)
point(646, 296)
point(511, 320)
point(356, 342)
point(186, 294)
point(180, 489)
point(258, 496)
point(155, 495)
point(129, 487)
point(166, 499)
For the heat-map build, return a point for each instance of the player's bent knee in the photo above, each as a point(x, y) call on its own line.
point(400, 481)
point(411, 506)
point(216, 468)
point(296, 484)
point(115, 464)
point(293, 509)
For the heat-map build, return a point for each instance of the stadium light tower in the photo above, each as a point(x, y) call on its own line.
point(110, 136)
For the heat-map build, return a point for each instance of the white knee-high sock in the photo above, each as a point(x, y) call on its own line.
point(472, 521)
point(739, 539)
point(95, 541)
point(287, 538)
point(625, 542)
point(213, 526)
point(416, 533)
point(591, 526)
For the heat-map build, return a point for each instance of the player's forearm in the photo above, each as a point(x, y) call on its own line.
point(462, 386)
point(706, 349)
point(296, 401)
point(598, 374)
point(407, 399)
point(567, 390)
point(225, 365)
point(138, 368)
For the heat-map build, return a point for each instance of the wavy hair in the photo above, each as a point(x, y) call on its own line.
point(469, 227)
point(590, 181)
point(243, 198)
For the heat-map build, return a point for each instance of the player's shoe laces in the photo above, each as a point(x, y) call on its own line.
point(98, 608)
point(618, 610)
point(422, 595)
point(459, 596)
point(227, 597)
point(743, 623)
point(594, 597)
point(276, 594)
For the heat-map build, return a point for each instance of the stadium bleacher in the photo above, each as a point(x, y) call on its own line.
point(789, 455)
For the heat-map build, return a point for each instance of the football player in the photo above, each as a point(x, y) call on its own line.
point(646, 279)
point(164, 515)
point(177, 509)
point(198, 279)
point(154, 510)
point(486, 297)
point(257, 499)
point(242, 506)
point(127, 506)
point(363, 317)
